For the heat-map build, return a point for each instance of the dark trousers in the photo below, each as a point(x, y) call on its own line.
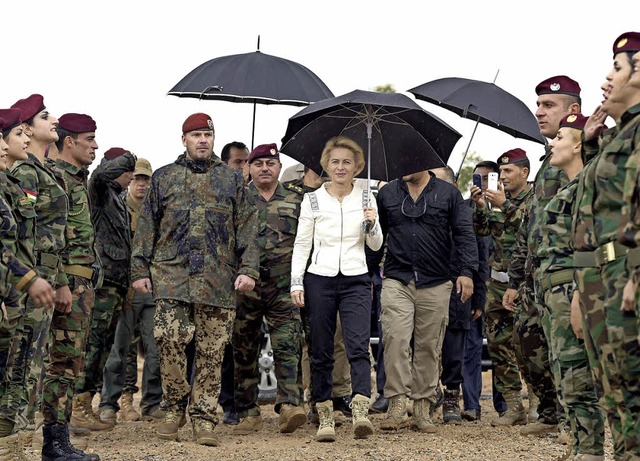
point(325, 297)
point(226, 399)
point(472, 368)
point(381, 376)
point(453, 357)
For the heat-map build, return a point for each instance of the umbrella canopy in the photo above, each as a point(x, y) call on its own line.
point(484, 102)
point(398, 136)
point(256, 78)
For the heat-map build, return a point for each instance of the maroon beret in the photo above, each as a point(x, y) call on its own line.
point(2, 122)
point(12, 118)
point(77, 123)
point(576, 121)
point(198, 121)
point(264, 150)
point(114, 152)
point(513, 156)
point(560, 84)
point(30, 106)
point(629, 41)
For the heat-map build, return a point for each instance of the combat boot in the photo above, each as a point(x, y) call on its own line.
point(127, 412)
point(54, 444)
point(11, 448)
point(534, 401)
point(326, 428)
point(203, 432)
point(83, 416)
point(362, 427)
point(155, 414)
point(108, 415)
point(291, 418)
point(539, 428)
point(248, 424)
point(168, 428)
point(438, 403)
point(451, 406)
point(397, 413)
point(421, 420)
point(515, 414)
point(75, 450)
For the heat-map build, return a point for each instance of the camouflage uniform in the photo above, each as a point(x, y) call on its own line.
point(69, 331)
point(572, 373)
point(587, 275)
point(532, 325)
point(617, 162)
point(502, 225)
point(113, 246)
point(195, 234)
point(271, 302)
point(51, 206)
point(18, 239)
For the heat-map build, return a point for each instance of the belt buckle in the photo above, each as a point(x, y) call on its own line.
point(608, 252)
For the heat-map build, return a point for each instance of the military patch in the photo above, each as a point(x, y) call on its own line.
point(572, 118)
point(554, 87)
point(292, 187)
point(24, 201)
point(505, 159)
point(32, 196)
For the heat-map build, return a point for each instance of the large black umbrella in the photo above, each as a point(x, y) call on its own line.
point(483, 102)
point(256, 78)
point(398, 136)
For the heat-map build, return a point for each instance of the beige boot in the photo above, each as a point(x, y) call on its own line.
point(291, 418)
point(127, 412)
point(396, 414)
point(248, 425)
point(421, 420)
point(83, 415)
point(515, 414)
point(326, 428)
point(362, 427)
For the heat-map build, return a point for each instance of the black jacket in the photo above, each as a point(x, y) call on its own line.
point(111, 219)
point(419, 235)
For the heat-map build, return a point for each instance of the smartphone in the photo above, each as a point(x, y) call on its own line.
point(477, 180)
point(493, 181)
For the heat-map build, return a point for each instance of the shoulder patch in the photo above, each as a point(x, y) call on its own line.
point(292, 187)
point(314, 201)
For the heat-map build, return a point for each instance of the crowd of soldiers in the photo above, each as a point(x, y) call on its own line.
point(204, 254)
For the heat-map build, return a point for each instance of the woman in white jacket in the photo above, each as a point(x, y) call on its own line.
point(336, 221)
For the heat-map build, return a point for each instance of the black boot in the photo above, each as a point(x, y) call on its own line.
point(451, 407)
point(54, 444)
point(74, 451)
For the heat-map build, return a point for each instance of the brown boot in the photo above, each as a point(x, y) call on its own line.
point(515, 414)
point(168, 428)
point(421, 420)
point(127, 412)
point(291, 418)
point(83, 415)
point(203, 433)
point(248, 424)
point(396, 414)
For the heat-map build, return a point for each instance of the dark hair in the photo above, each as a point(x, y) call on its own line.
point(449, 174)
point(62, 134)
point(524, 164)
point(226, 150)
point(493, 166)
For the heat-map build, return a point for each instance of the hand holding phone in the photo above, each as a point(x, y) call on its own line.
point(477, 180)
point(493, 181)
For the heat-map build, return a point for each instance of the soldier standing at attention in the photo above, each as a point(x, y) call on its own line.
point(194, 245)
point(502, 222)
point(77, 149)
point(278, 211)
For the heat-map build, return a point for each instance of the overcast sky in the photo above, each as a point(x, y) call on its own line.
point(116, 60)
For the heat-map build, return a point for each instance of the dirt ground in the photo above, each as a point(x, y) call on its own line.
point(476, 441)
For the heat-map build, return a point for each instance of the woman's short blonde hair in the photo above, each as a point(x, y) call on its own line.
point(346, 143)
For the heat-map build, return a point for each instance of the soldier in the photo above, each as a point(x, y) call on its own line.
point(113, 245)
point(192, 248)
point(502, 221)
point(17, 234)
point(573, 375)
point(77, 149)
point(270, 302)
point(557, 96)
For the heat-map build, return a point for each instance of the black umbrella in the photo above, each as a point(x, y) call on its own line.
point(483, 102)
point(400, 137)
point(256, 78)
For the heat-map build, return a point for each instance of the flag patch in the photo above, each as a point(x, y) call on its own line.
point(32, 196)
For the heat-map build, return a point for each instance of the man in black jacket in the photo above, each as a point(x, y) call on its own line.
point(421, 217)
point(113, 246)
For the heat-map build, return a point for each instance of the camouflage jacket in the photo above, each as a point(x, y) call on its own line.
point(18, 235)
point(277, 226)
point(79, 232)
point(111, 219)
point(556, 248)
point(629, 229)
point(502, 225)
point(196, 233)
point(524, 263)
point(51, 206)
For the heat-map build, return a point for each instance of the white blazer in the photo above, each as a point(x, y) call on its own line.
point(335, 232)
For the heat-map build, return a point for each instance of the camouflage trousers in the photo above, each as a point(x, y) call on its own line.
point(534, 349)
point(66, 352)
point(623, 328)
point(505, 357)
point(11, 332)
point(599, 351)
point(573, 375)
point(176, 324)
point(102, 331)
point(272, 304)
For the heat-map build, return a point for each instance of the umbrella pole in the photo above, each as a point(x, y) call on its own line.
point(253, 124)
point(464, 157)
point(367, 225)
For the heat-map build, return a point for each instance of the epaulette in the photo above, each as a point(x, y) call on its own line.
point(292, 187)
